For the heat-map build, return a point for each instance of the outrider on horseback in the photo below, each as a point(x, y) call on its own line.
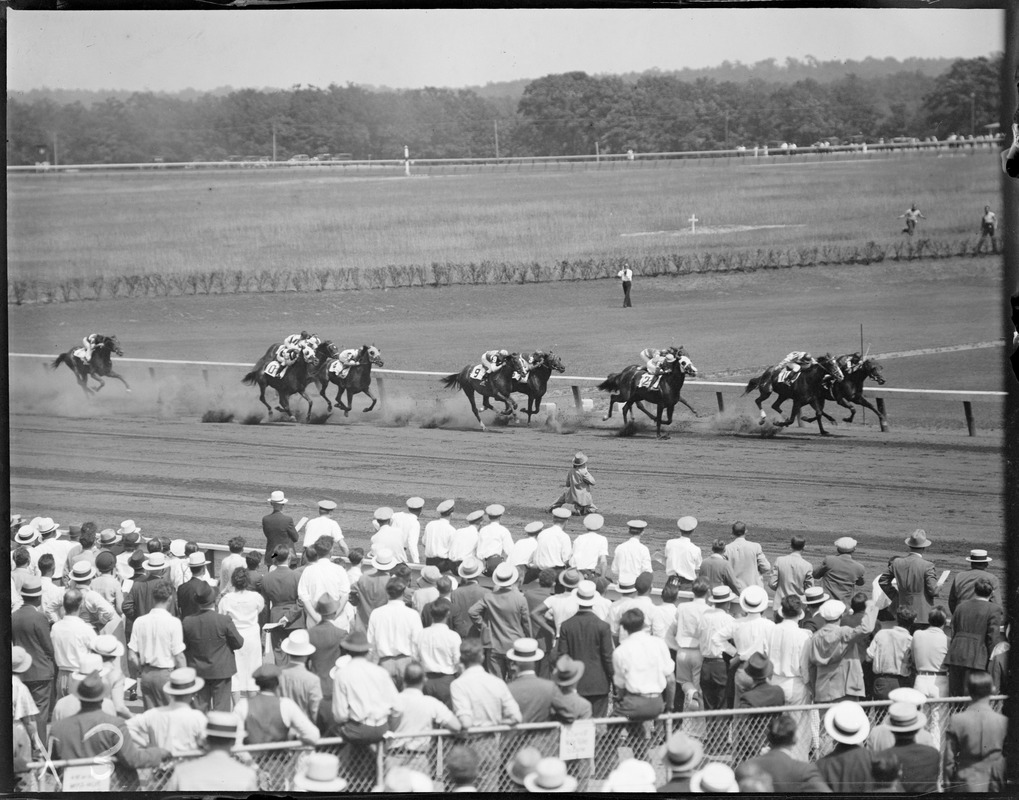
point(93, 359)
point(799, 377)
point(659, 381)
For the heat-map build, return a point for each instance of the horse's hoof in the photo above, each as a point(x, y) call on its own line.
point(662, 437)
point(604, 419)
point(761, 421)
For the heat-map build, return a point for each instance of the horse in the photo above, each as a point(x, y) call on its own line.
point(357, 380)
point(536, 383)
point(98, 367)
point(294, 381)
point(855, 370)
point(634, 384)
point(806, 389)
point(499, 384)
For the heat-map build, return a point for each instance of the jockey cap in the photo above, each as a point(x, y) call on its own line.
point(670, 358)
point(305, 335)
point(504, 352)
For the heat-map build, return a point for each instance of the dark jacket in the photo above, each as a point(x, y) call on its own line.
point(462, 598)
point(534, 696)
point(920, 765)
point(917, 583)
point(138, 602)
point(278, 529)
point(371, 593)
point(848, 769)
point(974, 742)
point(789, 775)
point(186, 603)
point(840, 575)
point(279, 587)
point(584, 637)
point(210, 639)
point(963, 587)
point(975, 625)
point(327, 639)
point(103, 739)
point(717, 571)
point(30, 630)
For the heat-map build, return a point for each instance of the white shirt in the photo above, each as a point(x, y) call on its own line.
point(714, 630)
point(157, 637)
point(688, 617)
point(631, 558)
point(587, 549)
point(322, 525)
point(59, 548)
point(652, 619)
point(522, 552)
point(493, 540)
point(226, 569)
point(392, 537)
point(438, 648)
point(464, 543)
point(682, 557)
point(176, 727)
point(319, 578)
point(393, 630)
point(438, 536)
point(561, 607)
point(410, 525)
point(664, 623)
point(642, 664)
point(752, 635)
point(71, 637)
point(554, 548)
point(625, 275)
point(788, 646)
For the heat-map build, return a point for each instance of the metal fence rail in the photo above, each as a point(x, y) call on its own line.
point(731, 737)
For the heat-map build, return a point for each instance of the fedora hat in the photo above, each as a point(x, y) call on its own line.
point(832, 610)
point(505, 574)
point(570, 578)
point(197, 559)
point(978, 557)
point(550, 775)
point(128, 526)
point(594, 522)
point(277, 497)
point(470, 567)
point(383, 559)
point(847, 722)
point(357, 642)
point(714, 778)
point(523, 764)
point(31, 586)
point(585, 593)
point(445, 506)
point(91, 688)
point(155, 562)
point(579, 459)
point(46, 526)
point(846, 544)
point(905, 718)
point(429, 575)
point(108, 536)
point(495, 510)
point(721, 594)
point(82, 571)
point(682, 753)
point(222, 725)
point(474, 516)
point(532, 528)
point(321, 774)
point(298, 644)
point(107, 645)
point(177, 548)
point(561, 512)
point(632, 775)
point(758, 667)
point(414, 503)
point(183, 681)
point(687, 524)
point(327, 505)
point(815, 595)
point(204, 594)
point(27, 535)
point(383, 514)
point(21, 660)
point(525, 650)
point(568, 671)
point(326, 605)
point(753, 599)
point(918, 539)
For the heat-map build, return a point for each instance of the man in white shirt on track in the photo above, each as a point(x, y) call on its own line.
point(591, 549)
point(632, 557)
point(438, 536)
point(410, 524)
point(324, 525)
point(682, 557)
point(494, 539)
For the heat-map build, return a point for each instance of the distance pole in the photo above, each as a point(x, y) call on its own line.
point(967, 408)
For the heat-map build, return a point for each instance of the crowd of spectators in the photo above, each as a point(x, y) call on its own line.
point(313, 639)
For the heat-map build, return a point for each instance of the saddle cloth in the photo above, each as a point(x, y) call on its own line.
point(274, 369)
point(336, 368)
point(787, 376)
point(649, 381)
point(478, 373)
point(79, 353)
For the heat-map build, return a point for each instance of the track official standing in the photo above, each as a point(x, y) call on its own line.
point(554, 547)
point(494, 539)
point(591, 549)
point(277, 526)
point(632, 556)
point(682, 557)
point(409, 523)
point(625, 276)
point(438, 536)
point(464, 543)
point(324, 525)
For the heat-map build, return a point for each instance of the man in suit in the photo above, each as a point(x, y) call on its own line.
point(371, 587)
point(210, 639)
point(789, 775)
point(326, 638)
point(792, 574)
point(849, 767)
point(30, 630)
point(975, 739)
point(280, 588)
point(586, 638)
point(533, 694)
point(717, 570)
point(920, 762)
point(277, 526)
point(915, 579)
point(975, 626)
point(840, 574)
point(761, 694)
point(138, 602)
point(186, 602)
point(962, 586)
point(749, 564)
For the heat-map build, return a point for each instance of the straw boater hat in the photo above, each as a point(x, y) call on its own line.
point(82, 571)
point(832, 610)
point(89, 663)
point(721, 594)
point(445, 507)
point(594, 522)
point(223, 725)
point(682, 753)
point(108, 536)
point(847, 544)
point(847, 722)
point(31, 586)
point(687, 524)
point(585, 593)
point(197, 559)
point(107, 646)
point(26, 535)
point(753, 599)
point(21, 660)
point(277, 497)
point(632, 775)
point(470, 567)
point(183, 681)
point(177, 548)
point(570, 578)
point(579, 459)
point(715, 778)
point(523, 764)
point(383, 559)
point(495, 510)
point(155, 562)
point(525, 650)
point(815, 595)
point(429, 576)
point(567, 671)
point(128, 526)
point(505, 574)
point(298, 644)
point(550, 775)
point(625, 584)
point(46, 526)
point(904, 718)
point(918, 539)
point(978, 557)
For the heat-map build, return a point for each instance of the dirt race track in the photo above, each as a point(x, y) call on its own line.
point(147, 456)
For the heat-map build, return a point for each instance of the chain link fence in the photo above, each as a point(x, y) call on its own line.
point(592, 751)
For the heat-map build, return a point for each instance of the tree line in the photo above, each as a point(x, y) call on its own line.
point(572, 113)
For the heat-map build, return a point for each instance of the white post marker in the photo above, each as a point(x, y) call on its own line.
point(406, 161)
point(693, 223)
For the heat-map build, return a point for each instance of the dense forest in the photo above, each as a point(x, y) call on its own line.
point(565, 114)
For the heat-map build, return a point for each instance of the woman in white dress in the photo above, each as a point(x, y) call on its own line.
point(243, 606)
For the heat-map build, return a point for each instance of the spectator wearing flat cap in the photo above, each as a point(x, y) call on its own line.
point(494, 539)
point(504, 613)
point(217, 770)
point(416, 712)
point(840, 574)
point(277, 526)
point(964, 584)
point(324, 525)
point(975, 629)
point(920, 762)
point(643, 675)
point(717, 570)
point(790, 575)
point(591, 549)
point(437, 649)
point(156, 646)
point(975, 740)
point(682, 557)
point(915, 579)
point(210, 640)
point(409, 524)
point(632, 557)
point(31, 631)
point(681, 755)
point(833, 677)
point(322, 576)
point(849, 768)
point(438, 536)
point(270, 716)
point(176, 727)
point(93, 732)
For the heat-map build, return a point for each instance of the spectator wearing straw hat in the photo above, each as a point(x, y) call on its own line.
point(371, 588)
point(682, 557)
point(324, 525)
point(751, 634)
point(25, 711)
point(550, 775)
point(31, 631)
point(586, 638)
point(813, 598)
point(270, 716)
point(409, 524)
point(438, 536)
point(52, 542)
point(789, 774)
point(639, 598)
point(187, 603)
point(277, 527)
point(217, 770)
point(96, 610)
point(464, 543)
point(975, 740)
point(548, 616)
point(840, 574)
point(138, 601)
point(714, 778)
point(790, 575)
point(416, 712)
point(176, 727)
point(465, 596)
point(523, 764)
point(591, 549)
point(322, 576)
point(93, 732)
point(717, 570)
point(426, 590)
point(881, 735)
point(964, 584)
point(320, 772)
point(916, 580)
point(833, 676)
point(714, 635)
point(504, 614)
point(296, 681)
point(533, 694)
point(849, 768)
point(788, 649)
point(680, 755)
point(106, 582)
point(111, 650)
point(975, 629)
point(72, 638)
point(632, 557)
point(920, 762)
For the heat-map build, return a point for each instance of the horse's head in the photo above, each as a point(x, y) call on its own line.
point(554, 362)
point(310, 355)
point(327, 349)
point(113, 345)
point(831, 366)
point(686, 365)
point(872, 369)
point(373, 354)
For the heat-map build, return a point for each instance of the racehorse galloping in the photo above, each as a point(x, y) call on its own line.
point(98, 367)
point(634, 384)
point(805, 390)
point(537, 381)
point(855, 370)
point(357, 380)
point(294, 381)
point(499, 384)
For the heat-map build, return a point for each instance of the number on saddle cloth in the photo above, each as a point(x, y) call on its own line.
point(79, 353)
point(272, 369)
point(787, 376)
point(648, 381)
point(479, 372)
point(337, 368)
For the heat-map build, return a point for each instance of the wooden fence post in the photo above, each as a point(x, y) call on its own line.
point(152, 373)
point(382, 389)
point(967, 407)
point(576, 399)
point(721, 402)
point(205, 376)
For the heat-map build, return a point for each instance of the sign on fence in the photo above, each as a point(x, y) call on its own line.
point(86, 778)
point(576, 741)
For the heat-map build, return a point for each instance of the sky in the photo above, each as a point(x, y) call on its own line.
point(174, 50)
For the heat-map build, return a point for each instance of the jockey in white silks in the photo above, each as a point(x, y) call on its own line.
point(347, 359)
point(286, 354)
point(493, 359)
point(303, 339)
point(795, 361)
point(89, 343)
point(658, 361)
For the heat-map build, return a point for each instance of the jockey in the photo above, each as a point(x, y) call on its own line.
point(493, 359)
point(89, 343)
point(795, 360)
point(348, 357)
point(660, 361)
point(287, 354)
point(303, 339)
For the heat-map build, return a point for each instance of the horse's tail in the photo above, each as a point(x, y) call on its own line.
point(251, 378)
point(611, 383)
point(63, 358)
point(451, 381)
point(752, 384)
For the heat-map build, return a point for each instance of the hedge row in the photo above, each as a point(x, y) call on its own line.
point(481, 273)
